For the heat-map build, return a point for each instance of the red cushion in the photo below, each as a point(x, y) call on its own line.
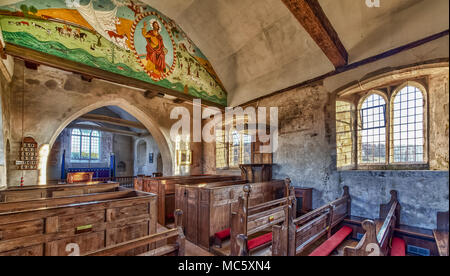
point(327, 247)
point(170, 216)
point(398, 247)
point(256, 242)
point(223, 234)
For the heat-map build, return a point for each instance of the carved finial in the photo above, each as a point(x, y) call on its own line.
point(178, 218)
point(346, 191)
point(247, 189)
point(394, 195)
point(288, 181)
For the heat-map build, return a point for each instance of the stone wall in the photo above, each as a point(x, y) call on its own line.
point(54, 98)
point(142, 148)
point(307, 155)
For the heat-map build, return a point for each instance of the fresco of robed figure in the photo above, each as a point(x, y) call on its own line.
point(156, 51)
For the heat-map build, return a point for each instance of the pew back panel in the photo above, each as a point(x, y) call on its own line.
point(164, 187)
point(54, 191)
point(93, 222)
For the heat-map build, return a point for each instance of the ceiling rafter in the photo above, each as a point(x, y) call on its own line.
point(312, 17)
point(112, 121)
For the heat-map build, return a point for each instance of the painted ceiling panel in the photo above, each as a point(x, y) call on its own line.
point(125, 37)
point(256, 46)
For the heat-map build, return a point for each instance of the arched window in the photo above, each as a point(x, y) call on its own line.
point(408, 126)
point(85, 144)
point(373, 130)
point(233, 151)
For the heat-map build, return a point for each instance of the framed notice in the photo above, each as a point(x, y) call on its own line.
point(29, 155)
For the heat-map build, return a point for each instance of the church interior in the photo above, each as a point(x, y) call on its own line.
point(224, 128)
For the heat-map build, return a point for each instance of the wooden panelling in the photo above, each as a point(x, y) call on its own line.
point(93, 221)
point(54, 191)
point(164, 187)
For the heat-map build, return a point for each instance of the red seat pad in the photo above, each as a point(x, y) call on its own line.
point(170, 216)
point(327, 247)
point(223, 234)
point(254, 243)
point(398, 247)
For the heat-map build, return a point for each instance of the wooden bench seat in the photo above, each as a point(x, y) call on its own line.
point(379, 237)
point(313, 226)
point(255, 220)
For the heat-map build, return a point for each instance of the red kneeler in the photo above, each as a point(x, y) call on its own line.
point(332, 243)
point(398, 247)
point(222, 235)
point(261, 240)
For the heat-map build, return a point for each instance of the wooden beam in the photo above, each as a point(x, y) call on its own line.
point(106, 129)
point(112, 121)
point(310, 14)
point(76, 67)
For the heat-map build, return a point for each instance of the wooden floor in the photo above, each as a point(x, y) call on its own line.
point(191, 249)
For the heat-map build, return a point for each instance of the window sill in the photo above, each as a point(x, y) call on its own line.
point(391, 167)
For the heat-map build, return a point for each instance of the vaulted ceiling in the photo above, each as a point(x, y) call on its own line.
point(259, 46)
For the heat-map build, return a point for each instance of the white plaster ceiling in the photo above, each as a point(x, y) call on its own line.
point(258, 47)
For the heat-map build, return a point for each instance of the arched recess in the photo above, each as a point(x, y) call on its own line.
point(162, 140)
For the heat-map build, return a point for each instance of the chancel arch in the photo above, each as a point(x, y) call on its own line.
point(162, 143)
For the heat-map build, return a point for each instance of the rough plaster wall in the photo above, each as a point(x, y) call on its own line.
point(307, 154)
point(64, 144)
point(146, 167)
point(421, 194)
point(5, 135)
point(305, 151)
point(439, 122)
point(53, 97)
point(123, 151)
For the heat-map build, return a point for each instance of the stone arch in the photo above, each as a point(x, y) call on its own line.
point(163, 141)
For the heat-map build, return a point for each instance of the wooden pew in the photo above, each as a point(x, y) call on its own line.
point(441, 233)
point(311, 227)
point(164, 187)
point(379, 237)
point(251, 220)
point(53, 191)
point(173, 243)
point(207, 208)
point(45, 227)
point(188, 199)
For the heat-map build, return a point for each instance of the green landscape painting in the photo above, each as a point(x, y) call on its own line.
point(124, 37)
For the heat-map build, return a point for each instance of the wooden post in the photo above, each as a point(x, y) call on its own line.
point(181, 241)
point(242, 245)
point(287, 182)
point(277, 238)
point(292, 232)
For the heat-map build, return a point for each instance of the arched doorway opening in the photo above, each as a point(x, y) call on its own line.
point(151, 128)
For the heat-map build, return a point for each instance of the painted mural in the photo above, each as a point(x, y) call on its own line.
point(125, 37)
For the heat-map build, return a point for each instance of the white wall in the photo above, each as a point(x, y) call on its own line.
point(142, 148)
